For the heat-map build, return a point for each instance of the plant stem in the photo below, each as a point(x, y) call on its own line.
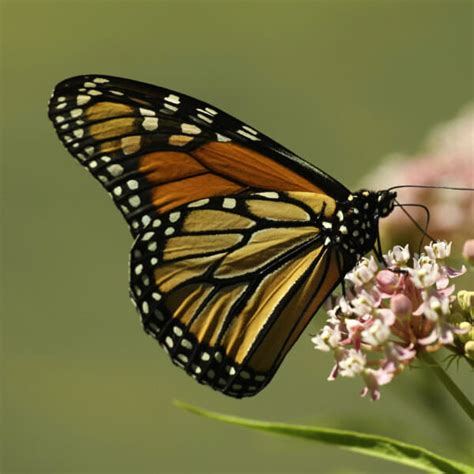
point(448, 382)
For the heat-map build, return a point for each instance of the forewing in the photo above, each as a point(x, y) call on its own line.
point(155, 150)
point(226, 285)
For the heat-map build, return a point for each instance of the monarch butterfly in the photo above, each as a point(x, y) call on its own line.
point(237, 241)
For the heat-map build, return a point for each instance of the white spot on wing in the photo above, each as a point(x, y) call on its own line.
point(190, 129)
point(251, 130)
point(186, 344)
point(82, 99)
point(201, 202)
point(269, 194)
point(222, 138)
point(150, 123)
point(132, 184)
point(174, 99)
point(205, 118)
point(115, 170)
point(174, 216)
point(229, 203)
point(138, 269)
point(148, 236)
point(247, 135)
point(147, 112)
point(171, 107)
point(134, 201)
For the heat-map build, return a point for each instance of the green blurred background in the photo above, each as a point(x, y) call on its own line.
point(340, 83)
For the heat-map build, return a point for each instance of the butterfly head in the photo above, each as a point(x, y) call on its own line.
point(386, 202)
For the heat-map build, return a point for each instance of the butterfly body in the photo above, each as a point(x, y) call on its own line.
point(237, 240)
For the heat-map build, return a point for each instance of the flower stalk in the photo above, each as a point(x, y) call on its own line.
point(448, 383)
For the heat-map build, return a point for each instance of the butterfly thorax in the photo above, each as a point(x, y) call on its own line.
point(354, 226)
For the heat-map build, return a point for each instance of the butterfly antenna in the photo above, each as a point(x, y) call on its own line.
point(427, 223)
point(424, 231)
point(426, 186)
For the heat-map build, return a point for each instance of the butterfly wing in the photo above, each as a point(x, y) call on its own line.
point(154, 149)
point(226, 285)
point(226, 281)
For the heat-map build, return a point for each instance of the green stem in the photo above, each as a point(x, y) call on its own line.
point(448, 382)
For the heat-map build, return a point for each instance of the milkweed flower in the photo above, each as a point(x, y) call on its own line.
point(391, 313)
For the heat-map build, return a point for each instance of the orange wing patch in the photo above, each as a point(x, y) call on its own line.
point(214, 169)
point(250, 168)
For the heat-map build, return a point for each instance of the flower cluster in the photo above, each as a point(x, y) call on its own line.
point(389, 315)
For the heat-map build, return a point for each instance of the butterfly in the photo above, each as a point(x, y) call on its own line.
point(237, 241)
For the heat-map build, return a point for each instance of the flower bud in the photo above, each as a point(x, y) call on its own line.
point(387, 281)
point(468, 251)
point(469, 349)
point(466, 329)
point(465, 300)
point(401, 305)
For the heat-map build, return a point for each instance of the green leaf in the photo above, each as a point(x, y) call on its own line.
point(370, 445)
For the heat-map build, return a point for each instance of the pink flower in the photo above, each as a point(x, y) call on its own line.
point(398, 256)
point(373, 380)
point(468, 251)
point(388, 315)
point(388, 281)
point(364, 273)
point(401, 305)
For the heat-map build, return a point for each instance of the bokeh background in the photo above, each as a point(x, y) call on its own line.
point(342, 83)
